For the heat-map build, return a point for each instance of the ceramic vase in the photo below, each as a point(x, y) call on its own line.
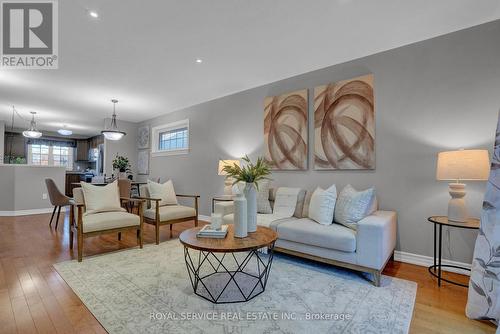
point(240, 216)
point(122, 175)
point(251, 196)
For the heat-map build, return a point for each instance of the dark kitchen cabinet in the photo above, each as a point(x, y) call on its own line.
point(82, 150)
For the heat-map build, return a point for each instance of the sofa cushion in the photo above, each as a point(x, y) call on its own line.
point(353, 205)
point(300, 201)
point(109, 220)
point(170, 212)
point(266, 220)
point(307, 231)
point(322, 205)
point(263, 205)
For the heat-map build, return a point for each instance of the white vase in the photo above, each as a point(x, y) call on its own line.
point(251, 196)
point(122, 175)
point(240, 216)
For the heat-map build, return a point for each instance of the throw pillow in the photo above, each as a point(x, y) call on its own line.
point(322, 205)
point(164, 191)
point(353, 205)
point(263, 204)
point(101, 199)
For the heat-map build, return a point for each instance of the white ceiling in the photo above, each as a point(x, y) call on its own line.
point(144, 52)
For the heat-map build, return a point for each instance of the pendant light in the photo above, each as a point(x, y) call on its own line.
point(113, 133)
point(32, 132)
point(64, 131)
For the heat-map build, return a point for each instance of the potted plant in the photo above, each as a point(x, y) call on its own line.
point(122, 164)
point(251, 174)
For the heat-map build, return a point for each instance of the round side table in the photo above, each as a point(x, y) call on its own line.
point(471, 224)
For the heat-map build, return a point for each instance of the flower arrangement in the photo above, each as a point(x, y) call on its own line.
point(250, 173)
point(121, 163)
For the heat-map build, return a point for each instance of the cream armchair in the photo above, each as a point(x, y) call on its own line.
point(103, 222)
point(168, 214)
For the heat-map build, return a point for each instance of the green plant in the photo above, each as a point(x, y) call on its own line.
point(121, 163)
point(14, 160)
point(250, 173)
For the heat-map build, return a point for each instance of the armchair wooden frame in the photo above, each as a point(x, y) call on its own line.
point(157, 222)
point(78, 226)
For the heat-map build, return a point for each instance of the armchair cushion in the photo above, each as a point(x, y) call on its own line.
point(101, 199)
point(170, 212)
point(109, 220)
point(164, 191)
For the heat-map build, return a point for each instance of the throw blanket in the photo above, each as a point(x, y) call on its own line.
point(484, 286)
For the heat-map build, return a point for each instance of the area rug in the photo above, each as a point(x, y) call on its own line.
point(149, 291)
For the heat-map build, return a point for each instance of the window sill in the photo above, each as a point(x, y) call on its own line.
point(168, 153)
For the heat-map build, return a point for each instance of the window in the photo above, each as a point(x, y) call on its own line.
point(45, 155)
point(171, 139)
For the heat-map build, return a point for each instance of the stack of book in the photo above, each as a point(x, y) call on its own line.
point(208, 232)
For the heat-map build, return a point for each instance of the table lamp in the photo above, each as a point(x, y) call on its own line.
point(462, 165)
point(228, 182)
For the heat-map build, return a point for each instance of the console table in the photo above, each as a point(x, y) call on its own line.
point(440, 221)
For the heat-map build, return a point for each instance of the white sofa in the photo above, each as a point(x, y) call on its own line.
point(366, 249)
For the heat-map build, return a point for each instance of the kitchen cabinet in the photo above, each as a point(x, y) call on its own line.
point(71, 178)
point(82, 150)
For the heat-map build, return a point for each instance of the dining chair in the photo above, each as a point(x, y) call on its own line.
point(57, 199)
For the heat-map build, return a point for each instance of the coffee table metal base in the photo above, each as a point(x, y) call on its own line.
point(214, 279)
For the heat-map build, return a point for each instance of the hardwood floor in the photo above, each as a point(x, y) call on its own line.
point(35, 299)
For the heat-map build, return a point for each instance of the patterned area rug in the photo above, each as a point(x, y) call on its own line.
point(149, 291)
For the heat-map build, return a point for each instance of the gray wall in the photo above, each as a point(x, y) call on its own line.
point(23, 186)
point(2, 139)
point(127, 147)
point(431, 96)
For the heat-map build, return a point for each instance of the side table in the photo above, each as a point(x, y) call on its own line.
point(471, 224)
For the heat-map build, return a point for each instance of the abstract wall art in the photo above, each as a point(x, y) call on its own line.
point(344, 125)
point(285, 130)
point(143, 162)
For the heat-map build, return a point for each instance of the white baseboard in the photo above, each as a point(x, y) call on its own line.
point(25, 212)
point(426, 261)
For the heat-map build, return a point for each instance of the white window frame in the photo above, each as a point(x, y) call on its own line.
point(155, 137)
point(51, 157)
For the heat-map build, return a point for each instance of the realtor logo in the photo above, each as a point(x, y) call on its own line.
point(29, 36)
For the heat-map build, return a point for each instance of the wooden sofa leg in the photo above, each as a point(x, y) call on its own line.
point(139, 234)
point(170, 231)
point(196, 221)
point(71, 237)
point(80, 246)
point(377, 277)
point(157, 231)
point(119, 236)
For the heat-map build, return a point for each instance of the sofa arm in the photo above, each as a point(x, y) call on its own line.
point(224, 208)
point(376, 239)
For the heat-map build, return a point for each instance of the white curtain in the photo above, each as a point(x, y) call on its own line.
point(484, 287)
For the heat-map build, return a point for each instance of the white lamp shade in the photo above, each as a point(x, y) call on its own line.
point(223, 163)
point(463, 165)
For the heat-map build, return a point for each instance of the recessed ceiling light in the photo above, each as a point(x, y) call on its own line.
point(93, 14)
point(199, 61)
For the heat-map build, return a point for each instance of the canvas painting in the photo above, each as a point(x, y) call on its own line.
point(143, 137)
point(344, 125)
point(143, 162)
point(285, 131)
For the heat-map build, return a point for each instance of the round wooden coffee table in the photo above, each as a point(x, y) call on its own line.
point(229, 270)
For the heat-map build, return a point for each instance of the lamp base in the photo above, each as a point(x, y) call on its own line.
point(457, 210)
point(228, 186)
